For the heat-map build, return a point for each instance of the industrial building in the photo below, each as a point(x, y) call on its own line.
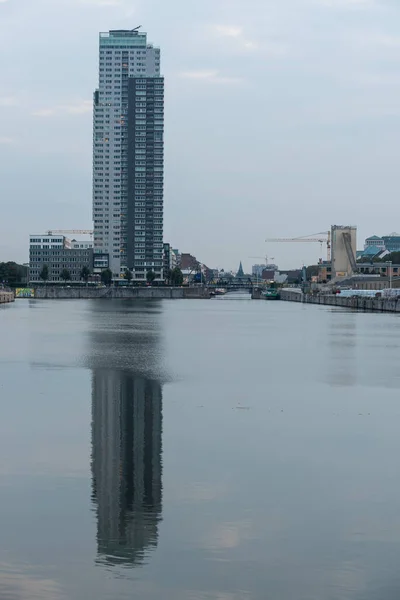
point(344, 250)
point(341, 246)
point(58, 252)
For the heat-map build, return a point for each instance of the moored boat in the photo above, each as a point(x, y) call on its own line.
point(271, 294)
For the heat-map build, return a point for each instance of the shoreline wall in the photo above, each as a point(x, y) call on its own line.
point(357, 303)
point(87, 293)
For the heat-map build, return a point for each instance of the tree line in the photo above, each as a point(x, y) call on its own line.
point(172, 277)
point(65, 274)
point(12, 273)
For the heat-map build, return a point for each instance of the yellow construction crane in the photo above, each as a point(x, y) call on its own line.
point(310, 239)
point(71, 232)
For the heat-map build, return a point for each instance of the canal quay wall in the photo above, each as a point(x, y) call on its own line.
point(6, 297)
point(356, 303)
point(144, 293)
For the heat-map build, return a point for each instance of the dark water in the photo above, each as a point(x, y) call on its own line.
point(198, 450)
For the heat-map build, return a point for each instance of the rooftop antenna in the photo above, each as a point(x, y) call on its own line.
point(137, 28)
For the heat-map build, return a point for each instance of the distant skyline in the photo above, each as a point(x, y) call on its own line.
point(281, 118)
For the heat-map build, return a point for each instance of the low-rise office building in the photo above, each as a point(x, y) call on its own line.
point(58, 253)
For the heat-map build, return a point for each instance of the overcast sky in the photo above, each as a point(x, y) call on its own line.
point(282, 117)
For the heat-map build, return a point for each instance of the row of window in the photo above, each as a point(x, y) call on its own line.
point(106, 67)
point(116, 63)
point(74, 277)
point(46, 240)
point(35, 251)
point(141, 160)
point(36, 260)
point(125, 52)
point(153, 196)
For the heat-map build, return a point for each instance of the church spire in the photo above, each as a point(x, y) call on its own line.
point(240, 273)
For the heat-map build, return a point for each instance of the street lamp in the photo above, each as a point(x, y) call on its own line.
point(390, 273)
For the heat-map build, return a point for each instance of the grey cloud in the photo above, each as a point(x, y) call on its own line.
point(210, 76)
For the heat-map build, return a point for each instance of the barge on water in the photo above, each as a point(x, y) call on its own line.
point(271, 294)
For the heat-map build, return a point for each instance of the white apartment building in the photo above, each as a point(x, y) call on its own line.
point(128, 156)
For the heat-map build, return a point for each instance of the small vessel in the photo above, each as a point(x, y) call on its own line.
point(271, 294)
point(220, 291)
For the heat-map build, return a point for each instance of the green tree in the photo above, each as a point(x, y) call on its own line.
point(128, 275)
point(106, 277)
point(150, 276)
point(366, 259)
point(394, 257)
point(44, 273)
point(65, 275)
point(9, 272)
point(176, 276)
point(85, 273)
point(13, 273)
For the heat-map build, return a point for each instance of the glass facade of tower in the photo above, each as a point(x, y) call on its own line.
point(128, 156)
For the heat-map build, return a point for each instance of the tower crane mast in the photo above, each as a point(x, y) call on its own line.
point(266, 258)
point(70, 232)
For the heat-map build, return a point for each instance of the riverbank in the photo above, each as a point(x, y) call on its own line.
point(6, 297)
point(87, 293)
point(357, 303)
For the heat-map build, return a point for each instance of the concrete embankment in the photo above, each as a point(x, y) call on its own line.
point(356, 303)
point(156, 293)
point(6, 297)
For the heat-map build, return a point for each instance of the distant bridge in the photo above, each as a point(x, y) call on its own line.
point(236, 286)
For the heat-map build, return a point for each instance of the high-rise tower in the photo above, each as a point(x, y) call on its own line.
point(128, 156)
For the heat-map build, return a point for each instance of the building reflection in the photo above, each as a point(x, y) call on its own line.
point(342, 344)
point(126, 464)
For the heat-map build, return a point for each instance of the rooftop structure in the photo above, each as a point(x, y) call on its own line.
point(375, 241)
point(370, 252)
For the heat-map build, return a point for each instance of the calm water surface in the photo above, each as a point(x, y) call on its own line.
point(198, 450)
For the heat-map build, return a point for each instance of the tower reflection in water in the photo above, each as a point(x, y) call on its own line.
point(126, 465)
